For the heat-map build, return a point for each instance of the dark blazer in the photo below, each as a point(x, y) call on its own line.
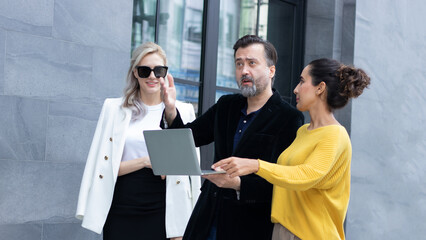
point(272, 131)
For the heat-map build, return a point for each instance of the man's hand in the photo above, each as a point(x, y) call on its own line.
point(235, 166)
point(224, 181)
point(168, 95)
point(176, 238)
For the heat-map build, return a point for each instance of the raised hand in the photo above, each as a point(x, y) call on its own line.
point(168, 95)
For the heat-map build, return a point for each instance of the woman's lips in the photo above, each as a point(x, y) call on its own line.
point(151, 83)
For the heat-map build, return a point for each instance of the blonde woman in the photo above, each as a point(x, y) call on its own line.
point(312, 176)
point(119, 193)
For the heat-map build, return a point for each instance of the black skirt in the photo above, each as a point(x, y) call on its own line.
point(138, 209)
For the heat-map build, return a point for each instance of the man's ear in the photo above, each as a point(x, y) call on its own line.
point(272, 71)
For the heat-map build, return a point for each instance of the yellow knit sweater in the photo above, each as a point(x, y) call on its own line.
point(312, 183)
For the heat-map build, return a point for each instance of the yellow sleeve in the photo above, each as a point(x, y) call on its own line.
point(309, 174)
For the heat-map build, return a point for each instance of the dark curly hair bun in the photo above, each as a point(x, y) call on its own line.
point(352, 81)
point(343, 82)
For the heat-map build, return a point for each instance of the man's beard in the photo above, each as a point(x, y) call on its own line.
point(248, 91)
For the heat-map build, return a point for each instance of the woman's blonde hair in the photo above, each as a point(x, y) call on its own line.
point(131, 91)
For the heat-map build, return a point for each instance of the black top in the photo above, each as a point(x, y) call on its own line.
point(273, 130)
point(243, 123)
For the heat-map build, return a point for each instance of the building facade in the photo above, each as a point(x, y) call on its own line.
point(60, 60)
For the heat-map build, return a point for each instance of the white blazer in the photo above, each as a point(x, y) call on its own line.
point(101, 171)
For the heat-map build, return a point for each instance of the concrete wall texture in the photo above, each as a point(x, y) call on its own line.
point(388, 195)
point(58, 61)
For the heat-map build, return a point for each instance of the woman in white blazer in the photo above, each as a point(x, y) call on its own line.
point(119, 193)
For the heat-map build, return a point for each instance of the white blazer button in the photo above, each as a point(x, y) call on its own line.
point(106, 157)
point(110, 139)
point(178, 181)
point(101, 176)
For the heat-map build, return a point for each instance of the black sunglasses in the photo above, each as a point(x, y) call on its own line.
point(145, 71)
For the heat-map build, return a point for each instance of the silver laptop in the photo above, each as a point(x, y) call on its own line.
point(173, 152)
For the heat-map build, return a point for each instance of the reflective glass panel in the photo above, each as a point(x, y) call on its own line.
point(237, 18)
point(143, 26)
point(188, 93)
point(263, 19)
point(179, 34)
point(220, 93)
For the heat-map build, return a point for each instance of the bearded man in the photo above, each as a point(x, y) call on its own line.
point(257, 123)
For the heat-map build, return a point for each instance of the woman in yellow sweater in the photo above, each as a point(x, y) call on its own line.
point(312, 176)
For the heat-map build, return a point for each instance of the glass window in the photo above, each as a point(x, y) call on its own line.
point(180, 36)
point(237, 18)
point(193, 28)
point(143, 27)
point(263, 19)
point(220, 93)
point(248, 17)
point(177, 26)
point(188, 93)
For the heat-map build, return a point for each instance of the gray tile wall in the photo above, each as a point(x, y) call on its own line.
point(34, 17)
point(388, 198)
point(23, 133)
point(2, 58)
point(94, 23)
point(58, 61)
point(46, 67)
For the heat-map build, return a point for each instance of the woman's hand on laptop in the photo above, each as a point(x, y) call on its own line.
point(235, 166)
